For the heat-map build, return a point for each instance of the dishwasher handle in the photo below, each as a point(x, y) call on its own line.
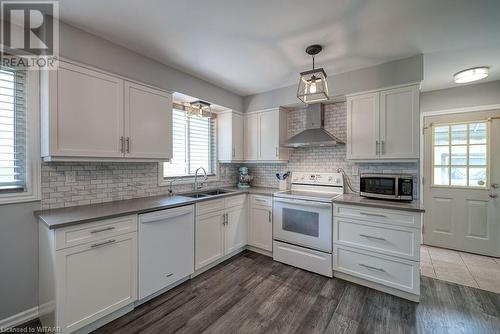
point(157, 216)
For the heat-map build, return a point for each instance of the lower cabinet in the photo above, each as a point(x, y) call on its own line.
point(83, 283)
point(260, 224)
point(221, 228)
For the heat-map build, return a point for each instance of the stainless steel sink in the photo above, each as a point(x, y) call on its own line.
point(196, 195)
point(208, 193)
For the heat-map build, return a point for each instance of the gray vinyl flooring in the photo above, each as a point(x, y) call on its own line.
point(251, 293)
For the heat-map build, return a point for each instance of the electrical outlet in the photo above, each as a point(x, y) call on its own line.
point(70, 176)
point(355, 170)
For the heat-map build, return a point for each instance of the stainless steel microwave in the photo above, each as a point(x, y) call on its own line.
point(387, 186)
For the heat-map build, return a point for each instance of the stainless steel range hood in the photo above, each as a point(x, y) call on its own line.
point(314, 135)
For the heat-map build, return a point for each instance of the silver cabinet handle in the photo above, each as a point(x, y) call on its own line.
point(223, 219)
point(382, 143)
point(270, 216)
point(260, 200)
point(103, 229)
point(227, 218)
point(128, 144)
point(372, 268)
point(277, 154)
point(371, 237)
point(99, 244)
point(372, 214)
point(233, 152)
point(122, 143)
point(169, 275)
point(376, 147)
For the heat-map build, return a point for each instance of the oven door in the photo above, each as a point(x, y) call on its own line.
point(304, 223)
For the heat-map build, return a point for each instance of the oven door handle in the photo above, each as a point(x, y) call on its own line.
point(303, 202)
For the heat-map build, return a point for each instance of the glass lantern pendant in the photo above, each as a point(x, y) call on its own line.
point(203, 108)
point(313, 86)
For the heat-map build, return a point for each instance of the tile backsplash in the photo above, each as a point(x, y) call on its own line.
point(326, 159)
point(78, 183)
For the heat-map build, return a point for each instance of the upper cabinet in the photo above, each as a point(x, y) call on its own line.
point(265, 131)
point(383, 125)
point(230, 136)
point(91, 115)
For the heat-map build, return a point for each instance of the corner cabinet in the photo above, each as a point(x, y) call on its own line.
point(384, 125)
point(264, 133)
point(92, 115)
point(230, 136)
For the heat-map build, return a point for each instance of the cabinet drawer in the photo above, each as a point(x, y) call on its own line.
point(237, 200)
point(303, 258)
point(389, 239)
point(256, 200)
point(396, 217)
point(209, 206)
point(393, 272)
point(79, 234)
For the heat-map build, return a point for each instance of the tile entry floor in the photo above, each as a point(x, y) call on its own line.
point(468, 269)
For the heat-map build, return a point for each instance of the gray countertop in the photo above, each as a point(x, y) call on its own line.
point(56, 218)
point(354, 199)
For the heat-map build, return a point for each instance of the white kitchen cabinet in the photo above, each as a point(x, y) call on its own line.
point(91, 115)
point(383, 125)
point(219, 230)
point(209, 241)
point(148, 114)
point(265, 131)
point(83, 283)
point(230, 136)
point(251, 137)
point(260, 224)
point(166, 248)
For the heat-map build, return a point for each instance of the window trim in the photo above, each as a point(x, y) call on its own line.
point(488, 155)
point(33, 160)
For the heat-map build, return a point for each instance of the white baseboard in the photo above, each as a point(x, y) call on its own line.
point(19, 319)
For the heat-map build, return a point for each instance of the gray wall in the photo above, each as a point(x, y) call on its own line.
point(81, 46)
point(18, 258)
point(462, 96)
point(393, 73)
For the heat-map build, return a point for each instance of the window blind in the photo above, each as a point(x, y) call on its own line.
point(193, 139)
point(12, 129)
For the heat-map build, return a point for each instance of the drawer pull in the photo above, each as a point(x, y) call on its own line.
point(103, 229)
point(372, 214)
point(169, 275)
point(260, 200)
point(99, 244)
point(371, 237)
point(372, 268)
point(270, 216)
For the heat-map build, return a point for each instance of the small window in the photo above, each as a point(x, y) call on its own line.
point(13, 132)
point(460, 155)
point(193, 141)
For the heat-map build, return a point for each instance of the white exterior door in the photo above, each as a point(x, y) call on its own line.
point(461, 178)
point(399, 123)
point(251, 141)
point(363, 126)
point(236, 229)
point(269, 135)
point(86, 116)
point(209, 240)
point(148, 122)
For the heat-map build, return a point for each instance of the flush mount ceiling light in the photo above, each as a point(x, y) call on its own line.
point(471, 74)
point(312, 84)
point(203, 108)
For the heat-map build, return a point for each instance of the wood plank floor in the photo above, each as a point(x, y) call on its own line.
point(251, 293)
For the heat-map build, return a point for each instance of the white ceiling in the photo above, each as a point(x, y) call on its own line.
point(252, 46)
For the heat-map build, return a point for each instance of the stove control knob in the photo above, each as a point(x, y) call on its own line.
point(330, 179)
point(337, 181)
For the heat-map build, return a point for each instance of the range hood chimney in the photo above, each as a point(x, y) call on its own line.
point(314, 135)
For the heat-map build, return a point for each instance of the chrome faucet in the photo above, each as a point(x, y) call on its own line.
point(205, 177)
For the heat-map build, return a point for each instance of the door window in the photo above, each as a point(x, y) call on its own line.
point(460, 155)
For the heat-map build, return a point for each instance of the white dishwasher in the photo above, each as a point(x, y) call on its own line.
point(166, 248)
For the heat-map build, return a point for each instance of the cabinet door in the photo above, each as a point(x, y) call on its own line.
point(363, 126)
point(85, 113)
point(237, 137)
point(260, 228)
point(269, 135)
point(209, 241)
point(95, 279)
point(251, 131)
point(148, 122)
point(166, 248)
point(399, 123)
point(224, 137)
point(236, 229)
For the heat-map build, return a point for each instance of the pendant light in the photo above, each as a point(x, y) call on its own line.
point(313, 86)
point(202, 107)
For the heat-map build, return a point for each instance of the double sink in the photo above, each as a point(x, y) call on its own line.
point(209, 193)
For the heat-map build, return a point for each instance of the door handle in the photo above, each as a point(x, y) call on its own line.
point(382, 149)
point(122, 143)
point(128, 144)
point(270, 216)
point(376, 147)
